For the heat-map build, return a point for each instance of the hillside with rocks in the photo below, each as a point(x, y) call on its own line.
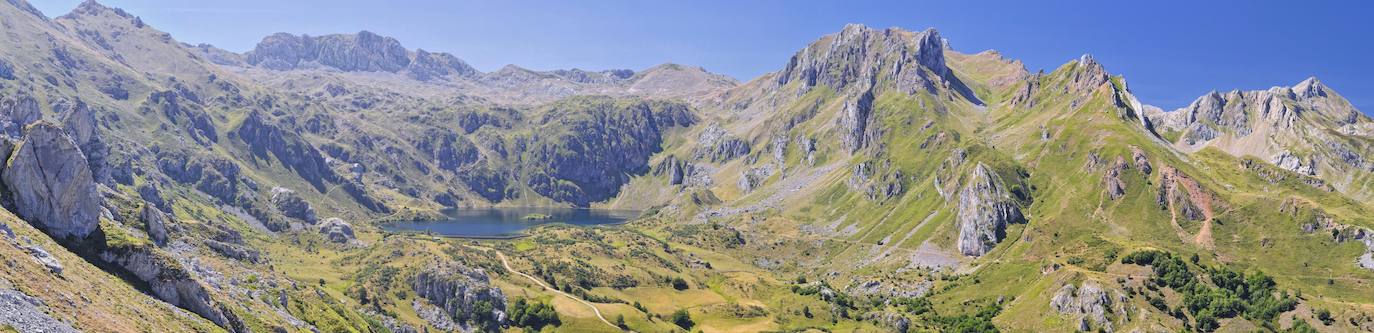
point(877, 180)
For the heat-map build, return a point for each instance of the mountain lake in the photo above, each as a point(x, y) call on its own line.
point(508, 222)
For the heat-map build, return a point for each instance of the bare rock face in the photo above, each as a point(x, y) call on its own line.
point(1091, 302)
point(458, 290)
point(715, 145)
point(752, 178)
point(985, 209)
point(337, 230)
point(51, 185)
point(155, 224)
point(1294, 163)
point(17, 112)
point(910, 61)
point(265, 137)
point(1116, 188)
point(364, 51)
point(428, 66)
point(167, 280)
point(151, 194)
point(80, 123)
point(292, 205)
point(1088, 76)
point(854, 123)
point(1142, 162)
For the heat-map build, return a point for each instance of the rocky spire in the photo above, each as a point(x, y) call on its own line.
point(1309, 88)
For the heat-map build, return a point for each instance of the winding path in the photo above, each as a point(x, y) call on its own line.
point(506, 263)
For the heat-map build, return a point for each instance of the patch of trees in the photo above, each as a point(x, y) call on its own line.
point(534, 315)
point(1229, 293)
point(682, 319)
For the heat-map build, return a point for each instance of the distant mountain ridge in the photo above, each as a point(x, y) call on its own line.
point(878, 180)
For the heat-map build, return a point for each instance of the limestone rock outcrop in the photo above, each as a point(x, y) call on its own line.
point(80, 123)
point(715, 145)
point(155, 224)
point(51, 184)
point(292, 205)
point(985, 210)
point(17, 112)
point(458, 290)
point(337, 230)
point(167, 280)
point(1091, 303)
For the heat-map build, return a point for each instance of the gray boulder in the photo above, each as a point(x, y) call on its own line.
point(152, 194)
point(45, 258)
point(337, 230)
point(155, 223)
point(985, 209)
point(51, 185)
point(292, 205)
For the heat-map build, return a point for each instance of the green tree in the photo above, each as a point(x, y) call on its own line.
point(682, 319)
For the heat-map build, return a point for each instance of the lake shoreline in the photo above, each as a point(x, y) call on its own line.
point(506, 223)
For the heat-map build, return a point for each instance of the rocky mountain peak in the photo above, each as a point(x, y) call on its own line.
point(92, 8)
point(901, 59)
point(364, 51)
point(1309, 88)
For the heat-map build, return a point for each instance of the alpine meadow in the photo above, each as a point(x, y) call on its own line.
point(878, 180)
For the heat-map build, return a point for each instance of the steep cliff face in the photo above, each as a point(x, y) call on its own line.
point(292, 205)
point(364, 51)
point(985, 209)
point(893, 58)
point(586, 148)
point(715, 145)
point(266, 139)
point(51, 185)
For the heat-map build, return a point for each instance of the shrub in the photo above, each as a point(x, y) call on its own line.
point(682, 319)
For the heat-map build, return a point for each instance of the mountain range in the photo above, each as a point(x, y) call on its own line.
point(878, 180)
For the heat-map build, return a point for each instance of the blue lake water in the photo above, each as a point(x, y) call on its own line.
point(508, 222)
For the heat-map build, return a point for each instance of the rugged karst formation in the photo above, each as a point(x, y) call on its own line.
point(458, 290)
point(292, 205)
point(1093, 306)
point(985, 210)
point(364, 51)
point(1306, 128)
point(337, 230)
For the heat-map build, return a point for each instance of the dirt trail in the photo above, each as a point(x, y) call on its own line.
point(506, 264)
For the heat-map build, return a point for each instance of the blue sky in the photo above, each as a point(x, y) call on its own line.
point(1170, 51)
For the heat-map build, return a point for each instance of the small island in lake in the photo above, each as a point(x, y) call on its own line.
point(537, 217)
